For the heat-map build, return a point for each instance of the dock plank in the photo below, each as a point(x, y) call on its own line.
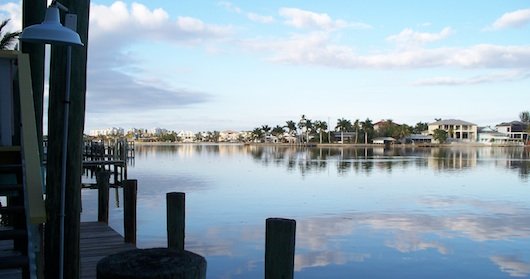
point(98, 240)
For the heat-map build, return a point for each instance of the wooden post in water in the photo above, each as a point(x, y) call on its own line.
point(280, 235)
point(129, 210)
point(102, 181)
point(175, 207)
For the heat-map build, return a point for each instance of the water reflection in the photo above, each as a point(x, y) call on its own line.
point(368, 212)
point(356, 160)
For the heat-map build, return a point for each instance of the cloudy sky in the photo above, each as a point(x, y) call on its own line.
point(217, 65)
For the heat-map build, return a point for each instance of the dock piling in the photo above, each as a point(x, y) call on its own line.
point(280, 235)
point(102, 180)
point(129, 210)
point(176, 214)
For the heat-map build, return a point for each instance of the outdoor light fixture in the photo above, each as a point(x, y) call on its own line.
point(52, 32)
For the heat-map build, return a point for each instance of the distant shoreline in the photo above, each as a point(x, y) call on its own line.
point(346, 145)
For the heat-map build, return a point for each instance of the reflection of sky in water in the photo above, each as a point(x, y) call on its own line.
point(424, 213)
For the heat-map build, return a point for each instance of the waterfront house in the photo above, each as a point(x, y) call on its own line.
point(229, 136)
point(457, 130)
point(490, 136)
point(515, 130)
point(418, 138)
point(186, 136)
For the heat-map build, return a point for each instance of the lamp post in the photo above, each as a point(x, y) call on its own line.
point(52, 32)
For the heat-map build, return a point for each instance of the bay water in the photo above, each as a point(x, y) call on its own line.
point(460, 212)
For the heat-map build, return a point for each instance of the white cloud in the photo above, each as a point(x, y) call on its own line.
point(13, 12)
point(316, 48)
point(512, 19)
point(120, 22)
point(260, 18)
point(116, 27)
point(409, 37)
point(480, 79)
point(250, 15)
point(310, 20)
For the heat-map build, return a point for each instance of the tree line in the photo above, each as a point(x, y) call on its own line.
point(307, 130)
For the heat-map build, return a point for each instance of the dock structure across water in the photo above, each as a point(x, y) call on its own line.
point(111, 156)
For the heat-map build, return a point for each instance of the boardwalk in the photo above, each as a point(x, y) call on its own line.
point(97, 241)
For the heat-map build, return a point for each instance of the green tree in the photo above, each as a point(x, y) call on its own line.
point(304, 126)
point(402, 131)
point(291, 126)
point(440, 135)
point(525, 116)
point(278, 131)
point(321, 126)
point(257, 134)
point(356, 127)
point(368, 129)
point(420, 127)
point(8, 39)
point(343, 125)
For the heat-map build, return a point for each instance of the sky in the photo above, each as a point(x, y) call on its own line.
point(237, 65)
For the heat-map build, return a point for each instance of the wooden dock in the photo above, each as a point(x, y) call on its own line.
point(97, 241)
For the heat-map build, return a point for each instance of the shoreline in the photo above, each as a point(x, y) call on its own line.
point(334, 145)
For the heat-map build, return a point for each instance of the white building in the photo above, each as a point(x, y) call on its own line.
point(458, 130)
point(107, 132)
point(157, 131)
point(515, 130)
point(186, 136)
point(229, 136)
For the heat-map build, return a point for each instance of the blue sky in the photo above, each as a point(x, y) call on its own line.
point(218, 65)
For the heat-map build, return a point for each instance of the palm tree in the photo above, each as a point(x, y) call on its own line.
point(342, 126)
point(291, 126)
point(278, 131)
point(302, 125)
point(266, 131)
point(321, 126)
point(368, 128)
point(356, 127)
point(257, 134)
point(8, 38)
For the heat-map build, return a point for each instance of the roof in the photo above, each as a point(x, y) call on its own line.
point(516, 123)
point(452, 122)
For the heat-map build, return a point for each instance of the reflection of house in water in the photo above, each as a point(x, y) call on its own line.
point(452, 159)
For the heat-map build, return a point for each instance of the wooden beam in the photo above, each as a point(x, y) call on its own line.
point(74, 143)
point(33, 181)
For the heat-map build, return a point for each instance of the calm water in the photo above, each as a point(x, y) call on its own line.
point(363, 213)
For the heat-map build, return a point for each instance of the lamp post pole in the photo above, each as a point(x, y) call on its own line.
point(64, 158)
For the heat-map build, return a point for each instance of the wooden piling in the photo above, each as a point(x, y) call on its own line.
point(175, 215)
point(280, 235)
point(129, 210)
point(102, 181)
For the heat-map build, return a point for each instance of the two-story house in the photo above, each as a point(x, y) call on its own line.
point(458, 130)
point(516, 130)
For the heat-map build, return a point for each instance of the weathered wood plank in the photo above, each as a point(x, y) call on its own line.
point(98, 240)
